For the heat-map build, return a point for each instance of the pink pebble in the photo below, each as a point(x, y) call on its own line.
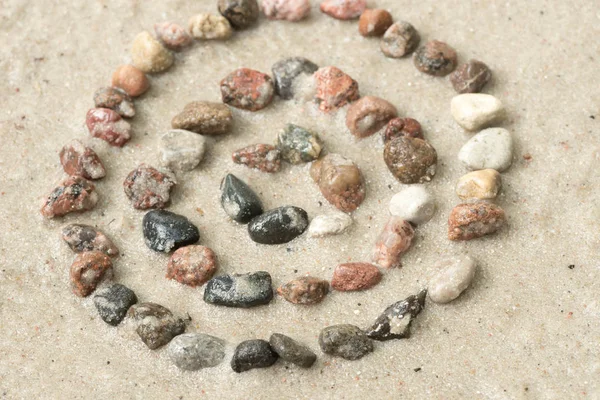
point(343, 9)
point(289, 10)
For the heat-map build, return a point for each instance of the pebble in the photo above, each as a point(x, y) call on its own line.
point(74, 194)
point(335, 89)
point(374, 22)
point(82, 238)
point(340, 181)
point(474, 220)
point(414, 204)
point(204, 117)
point(288, 10)
point(398, 127)
point(194, 351)
point(400, 39)
point(286, 71)
point(393, 241)
point(454, 276)
point(106, 124)
point(208, 27)
point(131, 79)
point(435, 58)
point(396, 320)
point(181, 150)
point(165, 231)
point(474, 111)
point(304, 290)
point(238, 200)
point(78, 159)
point(277, 226)
point(263, 157)
point(329, 224)
point(148, 187)
point(355, 276)
point(156, 325)
point(149, 55)
point(172, 35)
point(247, 89)
point(368, 115)
point(290, 350)
point(116, 99)
point(410, 160)
point(482, 185)
point(250, 354)
point(112, 303)
point(343, 9)
point(490, 148)
point(346, 341)
point(87, 271)
point(240, 13)
point(192, 265)
point(470, 77)
point(299, 145)
point(239, 290)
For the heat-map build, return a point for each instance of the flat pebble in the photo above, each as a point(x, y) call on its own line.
point(398, 127)
point(490, 148)
point(78, 159)
point(194, 351)
point(165, 231)
point(346, 341)
point(172, 35)
point(239, 290)
point(149, 55)
point(288, 10)
point(400, 39)
point(298, 145)
point(277, 226)
point(112, 303)
point(329, 224)
point(192, 265)
point(208, 27)
point(368, 115)
point(340, 181)
point(355, 276)
point(343, 9)
point(435, 58)
point(238, 200)
point(108, 125)
point(454, 275)
point(181, 150)
point(148, 187)
point(74, 194)
point(116, 99)
point(396, 320)
point(414, 204)
point(82, 238)
point(247, 89)
point(482, 185)
point(250, 354)
point(263, 157)
point(292, 351)
point(156, 325)
point(335, 89)
point(393, 241)
point(374, 22)
point(87, 271)
point(474, 220)
point(131, 79)
point(286, 71)
point(410, 160)
point(470, 77)
point(204, 117)
point(304, 290)
point(474, 111)
point(240, 13)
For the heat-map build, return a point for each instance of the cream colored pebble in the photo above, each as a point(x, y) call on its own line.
point(483, 185)
point(490, 148)
point(329, 224)
point(454, 276)
point(209, 26)
point(149, 55)
point(474, 111)
point(414, 204)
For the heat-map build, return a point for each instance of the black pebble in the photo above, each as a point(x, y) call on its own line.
point(252, 354)
point(396, 320)
point(238, 200)
point(239, 290)
point(112, 303)
point(279, 225)
point(166, 231)
point(285, 71)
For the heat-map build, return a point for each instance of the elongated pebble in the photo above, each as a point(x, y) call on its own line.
point(82, 238)
point(263, 157)
point(454, 276)
point(78, 159)
point(204, 117)
point(108, 125)
point(396, 320)
point(393, 241)
point(74, 194)
point(277, 226)
point(238, 200)
point(474, 111)
point(473, 220)
point(490, 148)
point(194, 351)
point(288, 10)
point(292, 351)
point(329, 224)
point(343, 9)
point(239, 290)
point(414, 204)
point(346, 341)
point(304, 290)
point(349, 277)
point(482, 185)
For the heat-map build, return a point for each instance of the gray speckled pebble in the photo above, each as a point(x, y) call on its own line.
point(287, 70)
point(346, 341)
point(156, 325)
point(239, 290)
point(490, 148)
point(112, 303)
point(181, 150)
point(290, 350)
point(193, 351)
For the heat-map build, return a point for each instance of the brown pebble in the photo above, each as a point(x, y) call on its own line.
point(192, 265)
point(399, 127)
point(147, 187)
point(393, 241)
point(368, 115)
point(335, 89)
point(82, 238)
point(204, 117)
point(247, 89)
point(410, 160)
point(374, 22)
point(107, 124)
point(264, 157)
point(173, 36)
point(131, 79)
point(470, 77)
point(73, 194)
point(355, 276)
point(240, 13)
point(399, 40)
point(78, 159)
point(87, 271)
point(149, 55)
point(304, 290)
point(340, 181)
point(435, 58)
point(115, 99)
point(343, 9)
point(473, 220)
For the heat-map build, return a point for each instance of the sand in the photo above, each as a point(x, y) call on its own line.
point(527, 328)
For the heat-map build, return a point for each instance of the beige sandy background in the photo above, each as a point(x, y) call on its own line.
point(529, 326)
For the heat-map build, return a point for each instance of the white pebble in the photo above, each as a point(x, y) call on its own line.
point(454, 276)
point(490, 148)
point(414, 204)
point(474, 111)
point(181, 150)
point(329, 224)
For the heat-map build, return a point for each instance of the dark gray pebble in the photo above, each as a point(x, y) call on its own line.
point(250, 354)
point(238, 200)
point(82, 238)
point(279, 225)
point(290, 350)
point(156, 325)
point(287, 70)
point(193, 351)
point(112, 303)
point(240, 13)
point(166, 231)
point(346, 341)
point(396, 320)
point(239, 290)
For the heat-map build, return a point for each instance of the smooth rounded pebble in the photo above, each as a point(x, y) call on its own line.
point(340, 181)
point(304, 290)
point(470, 77)
point(346, 341)
point(435, 58)
point(131, 79)
point(239, 290)
point(329, 224)
point(399, 40)
point(355, 276)
point(208, 27)
point(238, 200)
point(343, 9)
point(165, 231)
point(288, 10)
point(414, 204)
point(149, 55)
point(156, 325)
point(454, 276)
point(474, 111)
point(193, 351)
point(369, 114)
point(250, 354)
point(112, 303)
point(374, 22)
point(277, 226)
point(181, 150)
point(410, 160)
point(473, 220)
point(172, 35)
point(240, 13)
point(490, 148)
point(290, 350)
point(482, 185)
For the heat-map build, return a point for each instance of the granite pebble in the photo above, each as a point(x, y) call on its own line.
point(74, 194)
point(156, 325)
point(181, 150)
point(147, 187)
point(335, 89)
point(115, 99)
point(473, 220)
point(192, 265)
point(81, 160)
point(88, 269)
point(349, 277)
point(263, 157)
point(112, 302)
point(393, 241)
point(247, 89)
point(194, 351)
point(298, 145)
point(108, 125)
point(239, 290)
point(286, 72)
point(400, 39)
point(304, 290)
point(346, 341)
point(240, 13)
point(205, 118)
point(82, 238)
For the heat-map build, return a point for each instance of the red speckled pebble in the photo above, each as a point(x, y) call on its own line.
point(173, 36)
point(264, 157)
point(355, 276)
point(78, 159)
point(335, 89)
point(247, 89)
point(343, 9)
point(289, 10)
point(107, 124)
point(398, 127)
point(473, 220)
point(393, 241)
point(73, 194)
point(192, 265)
point(87, 271)
point(147, 187)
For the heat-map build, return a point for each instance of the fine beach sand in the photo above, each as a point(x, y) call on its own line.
point(528, 328)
